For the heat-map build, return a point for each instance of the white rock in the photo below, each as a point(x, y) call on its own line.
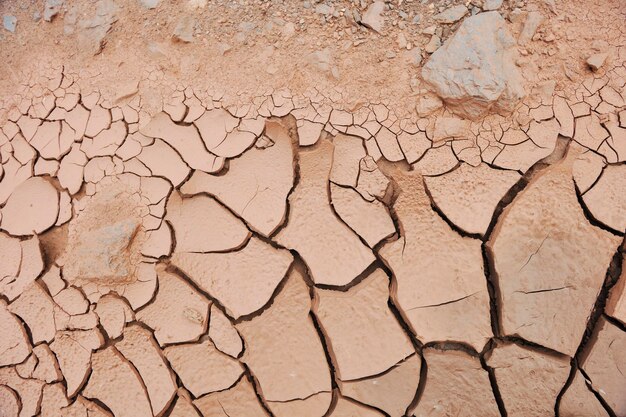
point(474, 72)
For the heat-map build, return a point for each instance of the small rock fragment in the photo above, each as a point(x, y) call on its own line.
point(452, 14)
point(9, 22)
point(202, 368)
point(533, 20)
point(183, 32)
point(596, 61)
point(51, 9)
point(433, 44)
point(150, 4)
point(372, 18)
point(489, 5)
point(492, 82)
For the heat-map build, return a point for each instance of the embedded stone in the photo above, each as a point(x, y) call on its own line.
point(474, 72)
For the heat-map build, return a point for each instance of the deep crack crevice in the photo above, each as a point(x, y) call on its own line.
point(590, 217)
point(611, 277)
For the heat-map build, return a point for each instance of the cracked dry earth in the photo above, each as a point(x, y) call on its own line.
point(342, 209)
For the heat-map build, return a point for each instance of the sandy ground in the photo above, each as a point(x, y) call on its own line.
point(307, 209)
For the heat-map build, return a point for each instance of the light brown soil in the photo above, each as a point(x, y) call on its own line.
point(261, 208)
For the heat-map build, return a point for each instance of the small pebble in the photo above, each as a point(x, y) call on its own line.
point(9, 22)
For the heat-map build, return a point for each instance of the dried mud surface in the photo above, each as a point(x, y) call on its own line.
point(304, 209)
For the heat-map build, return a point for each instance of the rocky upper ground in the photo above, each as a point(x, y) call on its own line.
point(318, 209)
